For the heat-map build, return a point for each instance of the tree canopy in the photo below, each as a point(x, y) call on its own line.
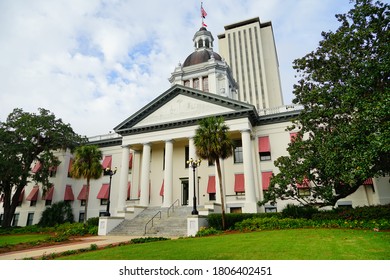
point(25, 139)
point(343, 130)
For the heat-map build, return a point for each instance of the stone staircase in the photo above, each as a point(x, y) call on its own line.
point(173, 226)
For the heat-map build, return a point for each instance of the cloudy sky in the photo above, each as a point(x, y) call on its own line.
point(94, 63)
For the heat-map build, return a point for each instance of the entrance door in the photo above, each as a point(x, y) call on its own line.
point(184, 191)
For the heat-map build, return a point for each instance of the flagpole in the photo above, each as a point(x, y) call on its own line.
point(201, 14)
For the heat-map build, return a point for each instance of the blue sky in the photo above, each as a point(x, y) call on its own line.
point(94, 63)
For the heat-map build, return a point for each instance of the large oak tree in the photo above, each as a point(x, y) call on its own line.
point(344, 131)
point(25, 139)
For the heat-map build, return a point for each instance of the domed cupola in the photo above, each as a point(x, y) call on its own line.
point(205, 69)
point(203, 43)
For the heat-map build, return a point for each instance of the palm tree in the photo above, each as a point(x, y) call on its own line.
point(87, 165)
point(213, 143)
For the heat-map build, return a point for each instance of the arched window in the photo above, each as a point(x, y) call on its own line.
point(200, 43)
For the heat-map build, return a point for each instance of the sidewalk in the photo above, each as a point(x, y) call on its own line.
point(81, 243)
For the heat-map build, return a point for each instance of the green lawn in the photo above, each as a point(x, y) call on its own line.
point(21, 238)
point(297, 244)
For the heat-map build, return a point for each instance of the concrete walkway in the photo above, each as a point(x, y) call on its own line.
point(81, 243)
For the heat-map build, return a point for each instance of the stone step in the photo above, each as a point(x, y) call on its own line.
point(174, 225)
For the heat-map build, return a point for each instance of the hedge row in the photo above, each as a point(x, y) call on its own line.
point(289, 223)
point(369, 216)
point(215, 220)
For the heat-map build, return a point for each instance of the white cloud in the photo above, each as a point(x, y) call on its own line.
point(94, 63)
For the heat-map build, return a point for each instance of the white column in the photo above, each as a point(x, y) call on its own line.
point(145, 172)
point(124, 178)
point(191, 154)
point(168, 174)
point(250, 191)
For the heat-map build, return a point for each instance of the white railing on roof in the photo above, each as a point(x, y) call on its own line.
point(104, 137)
point(280, 109)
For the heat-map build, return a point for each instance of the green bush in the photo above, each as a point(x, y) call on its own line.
point(215, 220)
point(298, 211)
point(58, 213)
point(207, 231)
point(272, 223)
point(358, 213)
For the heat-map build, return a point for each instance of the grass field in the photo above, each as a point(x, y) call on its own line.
point(21, 238)
point(297, 244)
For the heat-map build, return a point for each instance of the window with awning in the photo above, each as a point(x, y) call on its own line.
point(264, 148)
point(107, 162)
point(211, 185)
point(239, 183)
point(104, 191)
point(68, 196)
point(37, 167)
point(83, 193)
point(49, 194)
point(266, 179)
point(33, 195)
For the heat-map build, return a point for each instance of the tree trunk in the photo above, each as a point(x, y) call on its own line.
point(222, 193)
point(10, 206)
point(86, 201)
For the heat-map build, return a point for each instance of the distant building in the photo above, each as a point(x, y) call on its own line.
point(249, 48)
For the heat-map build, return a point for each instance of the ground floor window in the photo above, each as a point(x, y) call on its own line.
point(15, 220)
point(270, 209)
point(103, 201)
point(81, 217)
point(236, 210)
point(30, 219)
point(303, 191)
point(83, 202)
point(212, 197)
point(47, 202)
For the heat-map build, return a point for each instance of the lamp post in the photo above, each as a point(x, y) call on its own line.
point(194, 164)
point(109, 172)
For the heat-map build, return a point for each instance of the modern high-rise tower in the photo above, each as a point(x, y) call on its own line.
point(249, 49)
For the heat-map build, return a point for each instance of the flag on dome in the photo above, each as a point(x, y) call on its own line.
point(203, 12)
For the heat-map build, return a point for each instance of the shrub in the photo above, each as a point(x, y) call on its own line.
point(358, 213)
point(272, 223)
point(298, 211)
point(215, 220)
point(58, 213)
point(207, 231)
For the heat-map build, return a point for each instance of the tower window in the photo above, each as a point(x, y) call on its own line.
point(205, 85)
point(196, 83)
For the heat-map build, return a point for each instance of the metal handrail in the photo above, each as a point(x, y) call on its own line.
point(151, 220)
point(173, 206)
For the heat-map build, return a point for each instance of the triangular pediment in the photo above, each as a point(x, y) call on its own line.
point(180, 106)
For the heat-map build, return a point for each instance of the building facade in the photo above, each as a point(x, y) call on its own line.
point(150, 150)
